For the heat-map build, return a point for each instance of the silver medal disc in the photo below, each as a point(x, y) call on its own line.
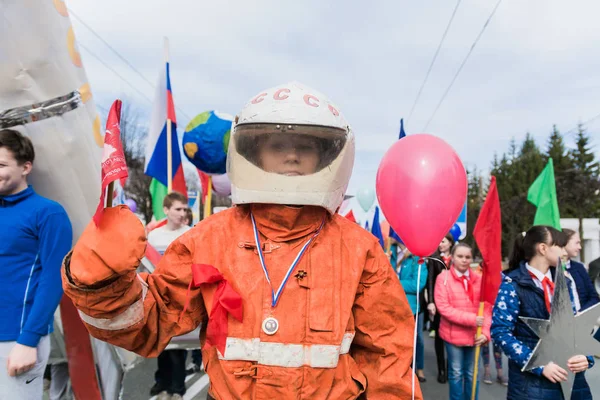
point(270, 326)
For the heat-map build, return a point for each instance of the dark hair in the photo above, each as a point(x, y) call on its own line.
point(19, 145)
point(461, 244)
point(569, 233)
point(190, 216)
point(451, 240)
point(172, 198)
point(524, 247)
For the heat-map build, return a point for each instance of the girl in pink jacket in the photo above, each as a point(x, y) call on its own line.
point(457, 294)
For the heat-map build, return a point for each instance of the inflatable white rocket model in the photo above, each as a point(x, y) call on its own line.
point(44, 93)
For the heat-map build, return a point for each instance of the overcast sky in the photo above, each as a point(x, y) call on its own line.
point(537, 64)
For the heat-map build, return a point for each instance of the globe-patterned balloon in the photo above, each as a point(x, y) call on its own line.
point(206, 139)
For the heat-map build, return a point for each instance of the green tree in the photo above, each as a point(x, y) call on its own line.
point(514, 174)
point(558, 151)
point(563, 171)
point(585, 198)
point(475, 194)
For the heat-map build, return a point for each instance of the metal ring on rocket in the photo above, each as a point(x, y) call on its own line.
point(36, 112)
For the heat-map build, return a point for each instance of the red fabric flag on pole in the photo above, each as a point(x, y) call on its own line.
point(350, 216)
point(204, 181)
point(488, 235)
point(113, 157)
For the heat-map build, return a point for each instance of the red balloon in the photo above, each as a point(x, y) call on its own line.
point(421, 189)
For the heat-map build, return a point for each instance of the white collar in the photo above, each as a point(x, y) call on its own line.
point(460, 274)
point(538, 274)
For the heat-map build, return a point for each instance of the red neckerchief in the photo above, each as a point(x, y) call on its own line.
point(548, 287)
point(469, 286)
point(225, 301)
point(447, 260)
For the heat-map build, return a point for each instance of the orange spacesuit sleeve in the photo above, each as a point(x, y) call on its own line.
point(383, 344)
point(138, 312)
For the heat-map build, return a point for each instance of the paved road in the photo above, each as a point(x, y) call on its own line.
point(432, 390)
point(140, 379)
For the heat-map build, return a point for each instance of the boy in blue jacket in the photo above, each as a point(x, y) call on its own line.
point(35, 235)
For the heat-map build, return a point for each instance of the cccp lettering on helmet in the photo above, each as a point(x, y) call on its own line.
point(284, 94)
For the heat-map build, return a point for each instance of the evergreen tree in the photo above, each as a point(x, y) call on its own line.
point(515, 172)
point(563, 172)
point(474, 203)
point(512, 149)
point(557, 151)
point(530, 162)
point(586, 181)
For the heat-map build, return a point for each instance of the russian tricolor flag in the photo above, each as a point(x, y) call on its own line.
point(156, 148)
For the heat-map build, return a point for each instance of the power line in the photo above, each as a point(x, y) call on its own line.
point(112, 49)
point(462, 65)
point(574, 130)
point(433, 61)
point(121, 57)
point(114, 72)
point(102, 108)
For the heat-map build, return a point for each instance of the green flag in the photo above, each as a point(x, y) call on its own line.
point(542, 193)
point(158, 191)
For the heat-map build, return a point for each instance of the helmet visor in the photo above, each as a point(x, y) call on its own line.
point(292, 150)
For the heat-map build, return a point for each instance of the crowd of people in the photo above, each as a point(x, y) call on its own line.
point(449, 288)
point(293, 300)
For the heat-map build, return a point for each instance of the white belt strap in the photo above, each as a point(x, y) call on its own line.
point(129, 317)
point(285, 354)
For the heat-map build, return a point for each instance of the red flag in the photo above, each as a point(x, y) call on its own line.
point(204, 178)
point(155, 224)
point(350, 216)
point(80, 354)
point(113, 157)
point(488, 235)
point(152, 255)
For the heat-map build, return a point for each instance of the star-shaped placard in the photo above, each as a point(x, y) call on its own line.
point(564, 335)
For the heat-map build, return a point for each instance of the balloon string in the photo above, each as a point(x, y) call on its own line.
point(415, 333)
point(441, 262)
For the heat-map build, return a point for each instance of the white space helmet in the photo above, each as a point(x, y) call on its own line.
point(290, 145)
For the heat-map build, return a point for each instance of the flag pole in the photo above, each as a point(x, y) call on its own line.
point(208, 201)
point(169, 132)
point(477, 352)
point(109, 194)
point(169, 158)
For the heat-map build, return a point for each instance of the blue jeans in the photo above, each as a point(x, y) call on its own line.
point(420, 363)
point(461, 362)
